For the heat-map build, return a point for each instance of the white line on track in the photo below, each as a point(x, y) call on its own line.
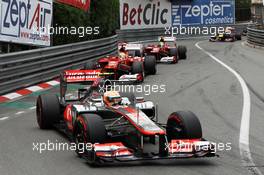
point(32, 108)
point(3, 118)
point(245, 119)
point(20, 112)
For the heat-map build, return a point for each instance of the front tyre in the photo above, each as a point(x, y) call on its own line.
point(88, 129)
point(150, 64)
point(48, 111)
point(138, 68)
point(183, 125)
point(173, 53)
point(182, 52)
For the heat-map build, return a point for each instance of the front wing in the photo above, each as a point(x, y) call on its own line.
point(176, 149)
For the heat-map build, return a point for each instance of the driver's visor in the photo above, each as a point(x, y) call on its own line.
point(111, 98)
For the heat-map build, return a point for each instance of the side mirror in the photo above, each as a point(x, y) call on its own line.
point(96, 100)
point(81, 93)
point(140, 99)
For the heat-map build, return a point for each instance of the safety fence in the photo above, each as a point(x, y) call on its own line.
point(255, 35)
point(22, 69)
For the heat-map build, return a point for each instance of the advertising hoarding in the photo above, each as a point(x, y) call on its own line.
point(139, 14)
point(22, 20)
point(203, 12)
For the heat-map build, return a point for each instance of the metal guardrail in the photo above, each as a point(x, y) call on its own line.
point(153, 34)
point(139, 34)
point(23, 69)
point(18, 70)
point(255, 36)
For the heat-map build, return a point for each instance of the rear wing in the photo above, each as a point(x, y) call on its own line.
point(82, 76)
point(168, 39)
point(134, 47)
point(92, 78)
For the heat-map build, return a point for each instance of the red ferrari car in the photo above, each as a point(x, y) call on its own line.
point(129, 65)
point(119, 127)
point(167, 50)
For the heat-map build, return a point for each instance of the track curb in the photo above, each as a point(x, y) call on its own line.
point(27, 91)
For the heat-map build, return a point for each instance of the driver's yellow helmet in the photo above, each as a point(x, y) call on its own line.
point(122, 55)
point(112, 98)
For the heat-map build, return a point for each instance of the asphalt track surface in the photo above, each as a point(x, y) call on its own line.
point(198, 84)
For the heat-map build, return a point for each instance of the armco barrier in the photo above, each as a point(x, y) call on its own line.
point(255, 36)
point(22, 69)
point(18, 70)
point(153, 34)
point(139, 34)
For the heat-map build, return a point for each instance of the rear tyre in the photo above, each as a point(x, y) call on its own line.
point(137, 68)
point(183, 125)
point(173, 52)
point(238, 37)
point(182, 50)
point(138, 53)
point(150, 65)
point(212, 39)
point(88, 129)
point(48, 111)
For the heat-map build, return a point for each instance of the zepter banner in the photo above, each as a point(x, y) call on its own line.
point(138, 14)
point(203, 12)
point(22, 20)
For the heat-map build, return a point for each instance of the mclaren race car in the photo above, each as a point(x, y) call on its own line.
point(130, 64)
point(230, 35)
point(118, 126)
point(167, 50)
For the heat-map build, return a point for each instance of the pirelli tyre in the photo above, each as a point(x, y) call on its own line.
point(88, 129)
point(182, 52)
point(173, 53)
point(150, 65)
point(138, 68)
point(238, 36)
point(48, 111)
point(183, 125)
point(213, 39)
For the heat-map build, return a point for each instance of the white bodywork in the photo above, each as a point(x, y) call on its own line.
point(126, 77)
point(134, 47)
point(168, 39)
point(145, 105)
point(166, 59)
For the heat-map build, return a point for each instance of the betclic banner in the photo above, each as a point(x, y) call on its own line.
point(140, 14)
point(203, 12)
point(22, 20)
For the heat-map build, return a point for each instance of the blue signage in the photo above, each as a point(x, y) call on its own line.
point(203, 12)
